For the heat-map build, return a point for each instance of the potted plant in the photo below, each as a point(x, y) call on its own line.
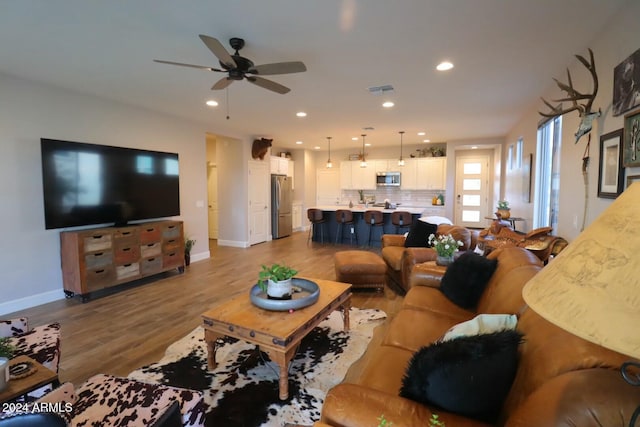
point(188, 245)
point(445, 246)
point(6, 349)
point(504, 211)
point(275, 280)
point(6, 353)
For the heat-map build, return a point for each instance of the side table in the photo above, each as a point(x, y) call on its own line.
point(21, 386)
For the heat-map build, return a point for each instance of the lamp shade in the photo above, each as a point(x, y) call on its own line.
point(592, 288)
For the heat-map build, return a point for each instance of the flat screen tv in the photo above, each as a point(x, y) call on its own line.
point(87, 184)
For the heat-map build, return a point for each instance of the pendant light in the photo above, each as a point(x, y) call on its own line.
point(401, 160)
point(329, 164)
point(363, 162)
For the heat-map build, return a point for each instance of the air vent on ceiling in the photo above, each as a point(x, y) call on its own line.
point(379, 90)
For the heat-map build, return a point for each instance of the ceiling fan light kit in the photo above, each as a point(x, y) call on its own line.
point(238, 67)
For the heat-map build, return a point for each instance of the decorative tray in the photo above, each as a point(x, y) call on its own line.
point(307, 293)
point(21, 370)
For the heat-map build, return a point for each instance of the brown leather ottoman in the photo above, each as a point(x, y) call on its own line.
point(426, 274)
point(362, 269)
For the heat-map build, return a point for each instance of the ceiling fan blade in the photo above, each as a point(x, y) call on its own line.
point(202, 67)
point(279, 68)
point(218, 50)
point(222, 83)
point(268, 84)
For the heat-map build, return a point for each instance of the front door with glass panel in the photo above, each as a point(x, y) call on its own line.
point(472, 191)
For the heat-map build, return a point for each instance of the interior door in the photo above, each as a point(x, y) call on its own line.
point(259, 193)
point(472, 191)
point(212, 189)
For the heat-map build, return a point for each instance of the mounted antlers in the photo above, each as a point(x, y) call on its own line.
point(574, 96)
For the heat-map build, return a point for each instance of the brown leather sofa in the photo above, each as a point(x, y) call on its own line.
point(400, 260)
point(561, 380)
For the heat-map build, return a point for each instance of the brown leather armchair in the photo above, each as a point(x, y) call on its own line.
point(400, 260)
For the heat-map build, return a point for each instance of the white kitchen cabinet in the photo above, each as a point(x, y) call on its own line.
point(327, 186)
point(408, 175)
point(431, 173)
point(296, 216)
point(354, 177)
point(279, 165)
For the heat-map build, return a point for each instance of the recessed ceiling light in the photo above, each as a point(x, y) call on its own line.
point(426, 140)
point(212, 103)
point(316, 148)
point(444, 66)
point(421, 133)
point(388, 104)
point(299, 142)
point(475, 147)
point(355, 138)
point(301, 114)
point(367, 144)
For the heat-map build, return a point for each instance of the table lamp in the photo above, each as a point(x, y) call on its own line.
point(592, 288)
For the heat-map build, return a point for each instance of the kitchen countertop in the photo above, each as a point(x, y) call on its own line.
point(361, 208)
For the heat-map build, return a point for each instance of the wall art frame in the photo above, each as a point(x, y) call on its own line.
point(626, 84)
point(631, 153)
point(610, 172)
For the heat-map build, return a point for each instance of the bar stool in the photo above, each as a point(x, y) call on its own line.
point(316, 217)
point(374, 219)
point(345, 217)
point(401, 219)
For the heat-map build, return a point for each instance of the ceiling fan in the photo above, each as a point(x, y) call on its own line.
point(238, 67)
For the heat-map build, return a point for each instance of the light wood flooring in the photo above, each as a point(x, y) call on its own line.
point(121, 331)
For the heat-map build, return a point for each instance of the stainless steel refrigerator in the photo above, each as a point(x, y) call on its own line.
point(280, 206)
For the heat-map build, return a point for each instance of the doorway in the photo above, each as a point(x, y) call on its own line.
point(212, 191)
point(472, 189)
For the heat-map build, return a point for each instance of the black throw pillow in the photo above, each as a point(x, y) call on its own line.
point(464, 281)
point(469, 376)
point(419, 233)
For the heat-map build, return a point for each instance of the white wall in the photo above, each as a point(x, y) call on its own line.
point(619, 40)
point(30, 255)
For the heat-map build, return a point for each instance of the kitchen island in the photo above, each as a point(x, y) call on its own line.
point(362, 229)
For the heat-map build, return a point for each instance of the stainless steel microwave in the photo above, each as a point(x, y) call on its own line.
point(388, 179)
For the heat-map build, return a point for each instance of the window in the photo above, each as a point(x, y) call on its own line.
point(547, 189)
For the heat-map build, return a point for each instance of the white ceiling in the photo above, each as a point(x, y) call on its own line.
point(505, 54)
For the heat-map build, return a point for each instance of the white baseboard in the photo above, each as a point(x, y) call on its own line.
point(30, 301)
point(233, 243)
point(200, 256)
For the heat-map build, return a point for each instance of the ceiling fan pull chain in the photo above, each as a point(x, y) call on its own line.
point(227, 103)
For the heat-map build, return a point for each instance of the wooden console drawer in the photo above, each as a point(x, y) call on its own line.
point(126, 255)
point(99, 278)
point(170, 245)
point(150, 233)
point(128, 271)
point(150, 249)
point(98, 259)
point(172, 259)
point(97, 242)
point(150, 266)
point(171, 231)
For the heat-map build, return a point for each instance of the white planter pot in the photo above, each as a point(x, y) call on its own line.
point(279, 290)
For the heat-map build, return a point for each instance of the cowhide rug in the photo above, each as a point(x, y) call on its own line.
point(243, 389)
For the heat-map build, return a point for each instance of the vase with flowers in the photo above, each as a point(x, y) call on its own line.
point(445, 246)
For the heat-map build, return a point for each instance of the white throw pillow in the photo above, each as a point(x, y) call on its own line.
point(482, 324)
point(437, 220)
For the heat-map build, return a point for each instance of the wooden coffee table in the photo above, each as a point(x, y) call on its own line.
point(21, 386)
point(277, 333)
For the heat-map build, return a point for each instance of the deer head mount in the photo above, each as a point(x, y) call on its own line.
point(584, 107)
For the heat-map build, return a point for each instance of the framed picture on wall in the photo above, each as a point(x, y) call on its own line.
point(626, 84)
point(631, 154)
point(631, 179)
point(610, 173)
